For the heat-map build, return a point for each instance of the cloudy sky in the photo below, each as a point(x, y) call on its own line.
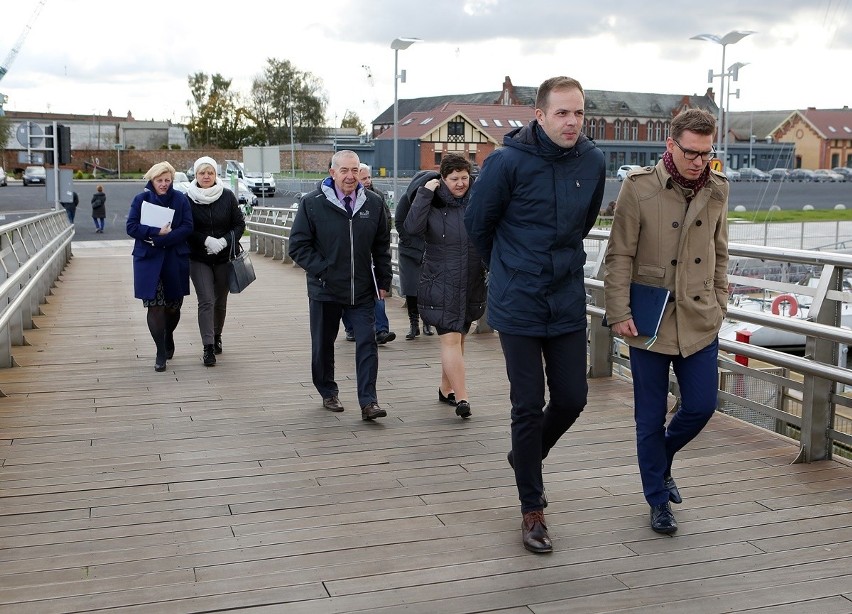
point(90, 56)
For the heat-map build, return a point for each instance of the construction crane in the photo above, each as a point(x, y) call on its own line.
point(4, 67)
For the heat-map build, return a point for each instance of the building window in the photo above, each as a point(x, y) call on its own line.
point(497, 123)
point(617, 135)
point(591, 127)
point(437, 158)
point(634, 130)
point(601, 129)
point(455, 131)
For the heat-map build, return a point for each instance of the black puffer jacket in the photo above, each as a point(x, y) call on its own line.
point(338, 252)
point(451, 293)
point(215, 220)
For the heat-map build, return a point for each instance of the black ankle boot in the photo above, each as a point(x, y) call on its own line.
point(217, 344)
point(414, 331)
point(427, 330)
point(209, 355)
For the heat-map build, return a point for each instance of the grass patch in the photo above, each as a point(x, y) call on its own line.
point(817, 215)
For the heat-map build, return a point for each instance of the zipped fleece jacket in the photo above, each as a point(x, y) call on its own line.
point(339, 253)
point(659, 240)
point(530, 209)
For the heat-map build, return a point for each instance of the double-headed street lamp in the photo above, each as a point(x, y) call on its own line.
point(733, 75)
point(732, 37)
point(397, 44)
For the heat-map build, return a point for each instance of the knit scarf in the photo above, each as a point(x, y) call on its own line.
point(205, 196)
point(690, 184)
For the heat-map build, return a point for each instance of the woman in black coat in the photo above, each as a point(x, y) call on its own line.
point(99, 209)
point(218, 225)
point(411, 255)
point(451, 293)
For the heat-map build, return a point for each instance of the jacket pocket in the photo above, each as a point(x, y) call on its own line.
point(650, 270)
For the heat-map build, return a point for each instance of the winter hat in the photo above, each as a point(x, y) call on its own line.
point(205, 160)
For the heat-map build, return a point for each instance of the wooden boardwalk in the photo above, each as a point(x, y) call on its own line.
point(229, 488)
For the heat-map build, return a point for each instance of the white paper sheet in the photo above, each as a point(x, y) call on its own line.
point(155, 215)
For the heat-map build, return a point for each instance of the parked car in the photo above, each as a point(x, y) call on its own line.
point(845, 171)
point(35, 174)
point(748, 173)
point(3, 180)
point(622, 171)
point(800, 174)
point(260, 183)
point(824, 175)
point(244, 195)
point(180, 177)
point(732, 175)
point(778, 174)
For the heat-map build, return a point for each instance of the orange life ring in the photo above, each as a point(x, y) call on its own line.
point(785, 298)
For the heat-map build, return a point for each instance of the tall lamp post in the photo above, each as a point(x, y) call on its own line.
point(733, 75)
point(397, 44)
point(732, 37)
point(292, 146)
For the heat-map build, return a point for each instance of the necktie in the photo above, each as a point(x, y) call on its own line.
point(347, 200)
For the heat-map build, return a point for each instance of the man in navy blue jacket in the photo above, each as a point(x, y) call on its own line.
point(531, 207)
point(339, 233)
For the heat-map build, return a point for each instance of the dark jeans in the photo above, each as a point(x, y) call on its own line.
point(536, 428)
point(698, 380)
point(382, 324)
point(99, 223)
point(325, 324)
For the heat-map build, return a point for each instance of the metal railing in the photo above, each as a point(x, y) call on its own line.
point(33, 253)
point(812, 402)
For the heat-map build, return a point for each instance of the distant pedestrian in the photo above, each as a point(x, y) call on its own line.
point(99, 209)
point(71, 207)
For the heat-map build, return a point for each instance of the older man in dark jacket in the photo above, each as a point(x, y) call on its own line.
point(531, 207)
point(340, 233)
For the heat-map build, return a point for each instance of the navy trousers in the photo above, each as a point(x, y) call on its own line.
point(382, 323)
point(656, 445)
point(536, 428)
point(325, 324)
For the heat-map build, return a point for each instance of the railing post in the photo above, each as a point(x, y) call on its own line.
point(816, 391)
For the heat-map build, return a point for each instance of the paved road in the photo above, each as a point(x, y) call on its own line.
point(17, 201)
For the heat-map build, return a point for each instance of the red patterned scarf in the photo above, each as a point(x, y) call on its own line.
point(690, 184)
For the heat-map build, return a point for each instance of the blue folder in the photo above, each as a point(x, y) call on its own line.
point(647, 304)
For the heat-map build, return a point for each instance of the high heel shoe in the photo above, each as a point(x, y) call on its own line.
point(450, 399)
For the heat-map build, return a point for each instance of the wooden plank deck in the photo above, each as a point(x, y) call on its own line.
point(229, 488)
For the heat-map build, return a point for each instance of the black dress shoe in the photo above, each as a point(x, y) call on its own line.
point(535, 534)
point(350, 336)
point(372, 411)
point(450, 399)
point(332, 404)
point(463, 409)
point(662, 519)
point(674, 493)
point(217, 344)
point(385, 337)
point(427, 330)
point(209, 357)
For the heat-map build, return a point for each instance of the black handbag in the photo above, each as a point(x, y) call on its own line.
point(240, 268)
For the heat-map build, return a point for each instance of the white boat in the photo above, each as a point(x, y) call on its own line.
point(791, 305)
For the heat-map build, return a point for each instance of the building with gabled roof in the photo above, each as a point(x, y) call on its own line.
point(822, 137)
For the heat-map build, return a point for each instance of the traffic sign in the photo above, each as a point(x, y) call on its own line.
point(29, 134)
point(118, 146)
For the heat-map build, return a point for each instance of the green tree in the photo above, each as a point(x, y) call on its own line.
point(217, 117)
point(282, 92)
point(5, 130)
point(351, 120)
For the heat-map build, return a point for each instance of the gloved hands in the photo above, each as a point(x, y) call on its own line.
point(214, 246)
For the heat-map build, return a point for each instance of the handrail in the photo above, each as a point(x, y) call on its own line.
point(38, 249)
point(819, 371)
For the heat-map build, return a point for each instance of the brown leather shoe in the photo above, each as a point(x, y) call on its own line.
point(332, 404)
point(372, 411)
point(535, 534)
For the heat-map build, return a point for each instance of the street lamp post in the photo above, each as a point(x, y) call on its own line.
point(732, 37)
point(292, 146)
point(733, 75)
point(397, 44)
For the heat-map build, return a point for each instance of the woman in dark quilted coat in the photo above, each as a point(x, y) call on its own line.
point(451, 293)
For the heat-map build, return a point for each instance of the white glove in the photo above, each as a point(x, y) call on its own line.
point(223, 242)
point(213, 246)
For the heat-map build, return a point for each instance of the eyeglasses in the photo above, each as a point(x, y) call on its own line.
point(691, 154)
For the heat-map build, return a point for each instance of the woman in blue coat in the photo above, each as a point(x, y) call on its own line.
point(161, 256)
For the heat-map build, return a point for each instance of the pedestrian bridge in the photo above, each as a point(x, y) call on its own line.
point(230, 488)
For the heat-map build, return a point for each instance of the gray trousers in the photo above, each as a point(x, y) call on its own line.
point(211, 287)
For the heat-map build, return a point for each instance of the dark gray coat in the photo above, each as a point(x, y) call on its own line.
point(451, 293)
